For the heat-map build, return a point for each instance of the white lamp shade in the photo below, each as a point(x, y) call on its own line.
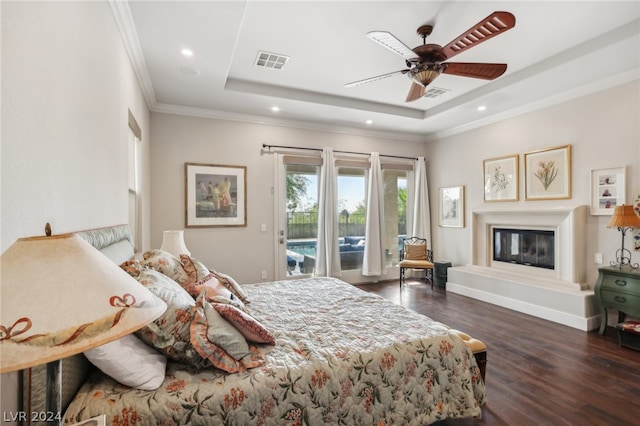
point(60, 296)
point(173, 242)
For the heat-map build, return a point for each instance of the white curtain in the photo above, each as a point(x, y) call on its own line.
point(374, 262)
point(421, 218)
point(327, 249)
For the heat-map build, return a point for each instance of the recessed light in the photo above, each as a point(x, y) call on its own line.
point(369, 122)
point(275, 108)
point(482, 108)
point(187, 52)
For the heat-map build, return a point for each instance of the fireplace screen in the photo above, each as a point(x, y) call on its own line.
point(524, 247)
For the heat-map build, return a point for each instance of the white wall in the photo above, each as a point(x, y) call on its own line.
point(67, 86)
point(603, 132)
point(240, 252)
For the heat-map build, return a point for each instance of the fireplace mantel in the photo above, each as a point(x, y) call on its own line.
point(569, 225)
point(559, 295)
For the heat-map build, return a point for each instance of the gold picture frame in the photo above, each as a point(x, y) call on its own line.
point(548, 173)
point(501, 178)
point(215, 195)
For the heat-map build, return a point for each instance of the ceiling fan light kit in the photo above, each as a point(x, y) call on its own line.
point(426, 62)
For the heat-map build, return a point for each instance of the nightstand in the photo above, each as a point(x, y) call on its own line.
point(618, 289)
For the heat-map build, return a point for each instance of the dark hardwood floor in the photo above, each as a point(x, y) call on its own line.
point(538, 372)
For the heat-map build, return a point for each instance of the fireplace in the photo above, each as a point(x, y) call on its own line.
point(529, 260)
point(530, 247)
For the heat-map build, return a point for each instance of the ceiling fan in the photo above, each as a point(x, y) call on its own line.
point(426, 62)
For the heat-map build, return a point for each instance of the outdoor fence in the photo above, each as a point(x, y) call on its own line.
point(301, 225)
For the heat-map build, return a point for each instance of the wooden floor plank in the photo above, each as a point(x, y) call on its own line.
point(538, 372)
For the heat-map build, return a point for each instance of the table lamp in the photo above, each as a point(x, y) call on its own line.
point(60, 296)
point(624, 218)
point(173, 242)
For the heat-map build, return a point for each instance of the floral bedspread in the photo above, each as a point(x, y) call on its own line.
point(342, 356)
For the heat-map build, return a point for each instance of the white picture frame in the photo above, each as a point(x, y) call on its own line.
point(451, 207)
point(608, 190)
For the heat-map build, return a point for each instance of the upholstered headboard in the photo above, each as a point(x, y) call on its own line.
point(114, 242)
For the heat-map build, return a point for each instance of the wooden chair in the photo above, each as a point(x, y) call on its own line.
point(416, 255)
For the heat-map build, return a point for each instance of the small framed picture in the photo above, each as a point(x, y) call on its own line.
point(548, 173)
point(608, 190)
point(451, 209)
point(501, 178)
point(215, 195)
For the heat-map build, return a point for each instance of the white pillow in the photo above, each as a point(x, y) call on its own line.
point(131, 362)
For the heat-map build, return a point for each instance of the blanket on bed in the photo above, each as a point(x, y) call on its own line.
point(342, 356)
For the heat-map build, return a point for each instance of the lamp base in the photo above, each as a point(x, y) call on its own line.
point(54, 393)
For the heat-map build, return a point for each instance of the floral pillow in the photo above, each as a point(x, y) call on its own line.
point(232, 285)
point(132, 267)
point(171, 332)
point(192, 331)
point(248, 326)
point(166, 263)
point(194, 268)
point(219, 342)
point(214, 292)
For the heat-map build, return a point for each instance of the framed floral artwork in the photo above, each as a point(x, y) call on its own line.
point(548, 173)
point(451, 208)
point(608, 190)
point(215, 195)
point(501, 178)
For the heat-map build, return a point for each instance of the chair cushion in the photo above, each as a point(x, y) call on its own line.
point(416, 264)
point(415, 252)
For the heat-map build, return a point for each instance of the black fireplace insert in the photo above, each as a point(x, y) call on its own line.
point(529, 247)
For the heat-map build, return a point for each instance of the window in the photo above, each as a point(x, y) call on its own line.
point(133, 186)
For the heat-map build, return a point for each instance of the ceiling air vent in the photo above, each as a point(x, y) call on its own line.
point(435, 92)
point(271, 60)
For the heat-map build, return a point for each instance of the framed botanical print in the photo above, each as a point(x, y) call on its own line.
point(501, 178)
point(608, 190)
point(451, 207)
point(548, 173)
point(216, 195)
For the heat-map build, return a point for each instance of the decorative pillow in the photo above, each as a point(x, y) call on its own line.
point(214, 291)
point(170, 333)
point(415, 252)
point(209, 323)
point(194, 268)
point(185, 333)
point(232, 285)
point(130, 362)
point(250, 328)
point(166, 263)
point(132, 267)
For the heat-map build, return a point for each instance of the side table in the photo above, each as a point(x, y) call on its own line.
point(619, 289)
point(440, 272)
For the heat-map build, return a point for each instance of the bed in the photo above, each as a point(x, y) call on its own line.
point(341, 356)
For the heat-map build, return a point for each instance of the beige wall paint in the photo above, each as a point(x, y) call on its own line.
point(241, 252)
point(603, 131)
point(67, 85)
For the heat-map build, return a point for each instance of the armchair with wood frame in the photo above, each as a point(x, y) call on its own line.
point(415, 254)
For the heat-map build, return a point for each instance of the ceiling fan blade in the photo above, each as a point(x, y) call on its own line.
point(376, 78)
point(474, 70)
point(390, 41)
point(415, 92)
point(491, 26)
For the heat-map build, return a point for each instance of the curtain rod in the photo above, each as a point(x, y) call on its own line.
point(264, 145)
